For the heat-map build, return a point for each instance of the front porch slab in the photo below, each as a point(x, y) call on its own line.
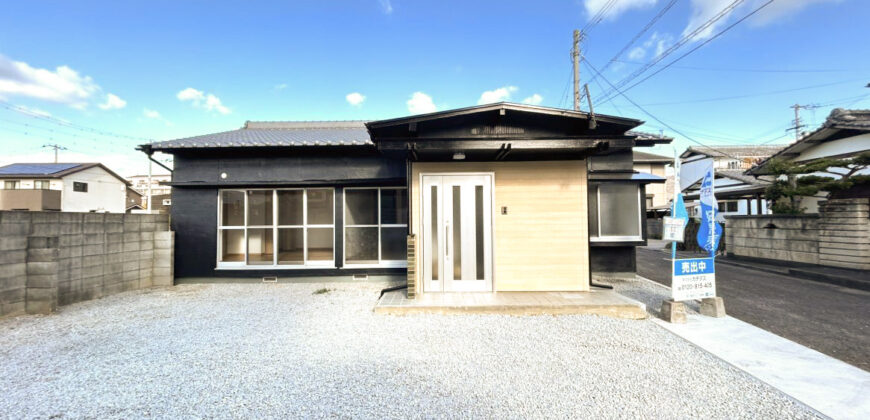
point(596, 302)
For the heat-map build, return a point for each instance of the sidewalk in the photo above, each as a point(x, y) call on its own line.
point(827, 385)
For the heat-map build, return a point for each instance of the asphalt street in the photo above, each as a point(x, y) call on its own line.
point(831, 319)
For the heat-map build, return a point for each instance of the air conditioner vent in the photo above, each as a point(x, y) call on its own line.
point(360, 277)
point(270, 279)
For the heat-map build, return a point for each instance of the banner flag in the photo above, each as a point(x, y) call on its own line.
point(709, 232)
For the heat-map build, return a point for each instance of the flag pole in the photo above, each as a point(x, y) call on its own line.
point(674, 205)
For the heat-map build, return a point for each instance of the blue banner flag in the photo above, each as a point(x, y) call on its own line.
point(709, 232)
point(679, 210)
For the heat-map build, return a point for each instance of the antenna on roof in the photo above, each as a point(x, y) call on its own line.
point(56, 147)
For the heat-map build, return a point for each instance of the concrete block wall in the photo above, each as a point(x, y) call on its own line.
point(51, 258)
point(839, 236)
point(844, 233)
point(793, 238)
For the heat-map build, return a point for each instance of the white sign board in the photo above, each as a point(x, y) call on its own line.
point(694, 278)
point(673, 229)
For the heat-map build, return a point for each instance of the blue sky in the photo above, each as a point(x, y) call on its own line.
point(169, 69)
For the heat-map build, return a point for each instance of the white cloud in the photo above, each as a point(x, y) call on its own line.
point(497, 95)
point(421, 103)
point(113, 102)
point(62, 85)
point(154, 115)
point(621, 6)
point(386, 6)
point(201, 100)
point(778, 10)
point(281, 86)
point(355, 98)
point(534, 99)
point(150, 113)
point(637, 53)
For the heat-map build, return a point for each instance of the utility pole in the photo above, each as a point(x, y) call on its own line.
point(797, 119)
point(575, 54)
point(56, 147)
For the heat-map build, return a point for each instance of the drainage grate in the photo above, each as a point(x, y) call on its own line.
point(361, 277)
point(270, 279)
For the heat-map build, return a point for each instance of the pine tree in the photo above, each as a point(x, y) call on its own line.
point(786, 194)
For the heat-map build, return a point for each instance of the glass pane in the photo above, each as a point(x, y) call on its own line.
point(456, 252)
point(394, 207)
point(394, 243)
point(320, 206)
point(232, 245)
point(434, 229)
point(290, 246)
point(232, 208)
point(290, 207)
point(259, 208)
point(478, 231)
point(620, 210)
point(320, 243)
point(260, 246)
point(362, 207)
point(361, 245)
point(593, 210)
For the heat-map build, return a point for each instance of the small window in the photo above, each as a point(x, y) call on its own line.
point(80, 186)
point(649, 202)
point(10, 185)
point(40, 184)
point(614, 212)
point(376, 226)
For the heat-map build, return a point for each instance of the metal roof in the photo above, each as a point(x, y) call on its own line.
point(36, 168)
point(746, 151)
point(644, 157)
point(278, 133)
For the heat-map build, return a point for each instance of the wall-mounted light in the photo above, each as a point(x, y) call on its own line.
point(458, 156)
point(223, 175)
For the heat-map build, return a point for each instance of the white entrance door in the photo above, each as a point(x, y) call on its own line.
point(457, 233)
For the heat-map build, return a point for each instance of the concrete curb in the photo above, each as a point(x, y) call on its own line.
point(826, 385)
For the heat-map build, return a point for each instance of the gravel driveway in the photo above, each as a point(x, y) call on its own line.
point(277, 350)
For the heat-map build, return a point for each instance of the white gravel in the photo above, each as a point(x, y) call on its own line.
point(277, 350)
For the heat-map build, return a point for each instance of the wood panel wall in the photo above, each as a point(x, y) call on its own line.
point(542, 243)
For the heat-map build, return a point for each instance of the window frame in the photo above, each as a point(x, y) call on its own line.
point(598, 237)
point(44, 184)
point(275, 226)
point(403, 263)
point(16, 184)
point(76, 187)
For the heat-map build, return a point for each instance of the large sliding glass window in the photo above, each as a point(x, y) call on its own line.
point(375, 226)
point(279, 228)
point(614, 212)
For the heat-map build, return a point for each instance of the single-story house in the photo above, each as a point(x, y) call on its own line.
point(844, 134)
point(496, 197)
point(76, 187)
point(658, 195)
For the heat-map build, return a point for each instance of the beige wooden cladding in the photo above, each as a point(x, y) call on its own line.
point(542, 243)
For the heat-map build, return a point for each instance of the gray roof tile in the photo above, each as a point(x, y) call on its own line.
point(278, 133)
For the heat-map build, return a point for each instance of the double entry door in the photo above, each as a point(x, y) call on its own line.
point(457, 233)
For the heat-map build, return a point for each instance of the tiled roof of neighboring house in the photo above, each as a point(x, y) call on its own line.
point(643, 157)
point(732, 151)
point(51, 170)
point(278, 133)
point(739, 176)
point(839, 119)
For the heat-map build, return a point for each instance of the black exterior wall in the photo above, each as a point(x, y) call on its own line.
point(196, 182)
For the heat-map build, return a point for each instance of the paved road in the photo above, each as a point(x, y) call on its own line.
point(833, 320)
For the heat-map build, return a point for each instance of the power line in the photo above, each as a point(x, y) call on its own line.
point(57, 121)
point(682, 41)
point(639, 34)
point(707, 41)
point(751, 95)
point(642, 109)
point(598, 17)
point(748, 70)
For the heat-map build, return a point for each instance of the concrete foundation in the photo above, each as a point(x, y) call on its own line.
point(714, 307)
point(673, 312)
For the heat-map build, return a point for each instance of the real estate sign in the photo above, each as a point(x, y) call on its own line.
point(694, 278)
point(673, 229)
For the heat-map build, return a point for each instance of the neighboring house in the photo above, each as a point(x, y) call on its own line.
point(736, 193)
point(657, 195)
point(134, 200)
point(161, 203)
point(140, 183)
point(844, 134)
point(497, 197)
point(74, 187)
